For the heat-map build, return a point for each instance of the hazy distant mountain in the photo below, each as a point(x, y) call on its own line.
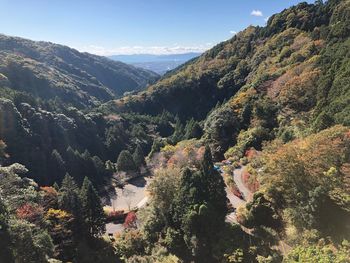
point(157, 63)
point(48, 71)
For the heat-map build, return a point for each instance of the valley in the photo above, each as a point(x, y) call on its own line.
point(238, 154)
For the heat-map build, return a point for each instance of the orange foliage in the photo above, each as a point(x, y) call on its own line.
point(251, 182)
point(49, 190)
point(251, 153)
point(49, 197)
point(303, 163)
point(295, 84)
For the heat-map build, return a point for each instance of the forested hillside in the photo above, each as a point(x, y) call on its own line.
point(59, 74)
point(247, 147)
point(46, 92)
point(292, 70)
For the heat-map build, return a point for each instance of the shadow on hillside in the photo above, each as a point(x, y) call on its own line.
point(138, 182)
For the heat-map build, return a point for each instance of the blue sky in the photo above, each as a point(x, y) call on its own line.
point(108, 27)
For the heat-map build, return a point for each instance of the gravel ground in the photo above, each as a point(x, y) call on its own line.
point(131, 195)
point(134, 195)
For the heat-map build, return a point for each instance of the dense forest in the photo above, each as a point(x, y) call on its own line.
point(271, 104)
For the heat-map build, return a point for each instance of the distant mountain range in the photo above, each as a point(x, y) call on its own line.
point(49, 71)
point(157, 63)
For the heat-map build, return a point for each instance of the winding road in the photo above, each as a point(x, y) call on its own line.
point(234, 200)
point(139, 199)
point(237, 177)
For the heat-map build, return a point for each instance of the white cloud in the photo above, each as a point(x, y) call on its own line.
point(233, 32)
point(256, 13)
point(156, 50)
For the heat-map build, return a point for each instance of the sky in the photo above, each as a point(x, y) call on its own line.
point(107, 27)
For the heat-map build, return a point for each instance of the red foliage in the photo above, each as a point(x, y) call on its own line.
point(252, 184)
point(251, 153)
point(130, 220)
point(31, 213)
point(236, 191)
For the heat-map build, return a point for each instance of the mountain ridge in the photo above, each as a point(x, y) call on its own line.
point(160, 64)
point(54, 70)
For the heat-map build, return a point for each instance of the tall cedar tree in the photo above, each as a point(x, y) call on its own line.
point(138, 156)
point(69, 195)
point(69, 200)
point(199, 210)
point(57, 166)
point(92, 209)
point(178, 131)
point(193, 130)
point(125, 162)
point(157, 144)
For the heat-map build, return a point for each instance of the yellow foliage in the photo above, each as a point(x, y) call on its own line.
point(240, 99)
point(57, 213)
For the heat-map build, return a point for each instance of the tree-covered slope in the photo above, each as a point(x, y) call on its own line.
point(46, 91)
point(222, 71)
point(283, 79)
point(272, 101)
point(50, 71)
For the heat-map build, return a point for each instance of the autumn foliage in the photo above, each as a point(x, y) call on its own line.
point(250, 181)
point(49, 197)
point(30, 212)
point(308, 179)
point(130, 220)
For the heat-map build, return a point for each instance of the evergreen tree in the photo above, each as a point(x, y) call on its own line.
point(74, 164)
point(69, 195)
point(178, 131)
point(55, 186)
point(164, 128)
point(100, 168)
point(199, 211)
point(193, 130)
point(69, 200)
point(57, 166)
point(92, 209)
point(213, 190)
point(157, 144)
point(125, 162)
point(138, 156)
point(110, 166)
